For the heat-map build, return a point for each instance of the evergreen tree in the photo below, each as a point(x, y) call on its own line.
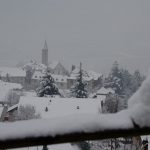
point(111, 104)
point(137, 80)
point(123, 83)
point(47, 86)
point(79, 90)
point(114, 79)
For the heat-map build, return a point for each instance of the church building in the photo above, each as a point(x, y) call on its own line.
point(45, 54)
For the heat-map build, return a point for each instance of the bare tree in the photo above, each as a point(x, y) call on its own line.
point(26, 113)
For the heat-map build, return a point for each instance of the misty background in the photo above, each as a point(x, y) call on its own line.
point(96, 32)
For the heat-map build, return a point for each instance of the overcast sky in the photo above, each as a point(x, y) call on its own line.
point(96, 32)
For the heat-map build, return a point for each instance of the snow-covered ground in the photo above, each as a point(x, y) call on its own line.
point(78, 123)
point(5, 87)
point(59, 107)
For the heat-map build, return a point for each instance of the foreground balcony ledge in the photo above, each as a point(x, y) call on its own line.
point(72, 128)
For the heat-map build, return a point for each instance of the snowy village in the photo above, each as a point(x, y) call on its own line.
point(48, 91)
point(73, 75)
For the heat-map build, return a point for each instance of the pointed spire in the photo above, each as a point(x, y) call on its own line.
point(45, 45)
point(45, 54)
point(80, 66)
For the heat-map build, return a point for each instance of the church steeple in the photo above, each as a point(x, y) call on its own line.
point(45, 45)
point(45, 54)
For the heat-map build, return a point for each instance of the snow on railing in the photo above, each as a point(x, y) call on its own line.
point(131, 122)
point(68, 129)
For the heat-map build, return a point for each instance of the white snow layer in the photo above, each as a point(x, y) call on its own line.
point(64, 125)
point(138, 112)
point(59, 107)
point(139, 104)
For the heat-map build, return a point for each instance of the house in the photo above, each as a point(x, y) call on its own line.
point(7, 96)
point(12, 74)
point(57, 70)
point(60, 80)
point(30, 75)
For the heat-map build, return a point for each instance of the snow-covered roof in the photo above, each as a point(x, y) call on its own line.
point(58, 107)
point(5, 87)
point(94, 75)
point(12, 72)
point(105, 91)
point(53, 64)
point(12, 107)
point(87, 75)
point(58, 78)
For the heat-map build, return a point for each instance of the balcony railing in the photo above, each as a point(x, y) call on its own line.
point(68, 129)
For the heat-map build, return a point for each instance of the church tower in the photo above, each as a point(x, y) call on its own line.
point(45, 54)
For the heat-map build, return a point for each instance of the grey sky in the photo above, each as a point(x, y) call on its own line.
point(96, 32)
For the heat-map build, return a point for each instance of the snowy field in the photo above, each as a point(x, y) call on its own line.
point(59, 107)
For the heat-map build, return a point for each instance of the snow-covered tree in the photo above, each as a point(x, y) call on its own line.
point(137, 80)
point(47, 86)
point(114, 79)
point(123, 83)
point(111, 104)
point(79, 90)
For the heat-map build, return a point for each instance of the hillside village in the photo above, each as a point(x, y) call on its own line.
point(30, 74)
point(20, 100)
